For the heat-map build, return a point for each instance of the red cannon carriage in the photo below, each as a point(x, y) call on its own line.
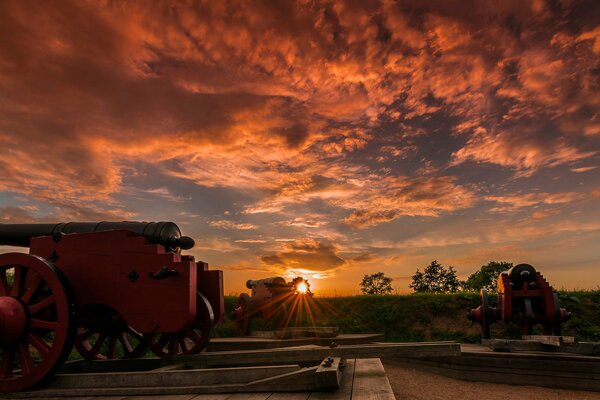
point(109, 288)
point(274, 298)
point(525, 298)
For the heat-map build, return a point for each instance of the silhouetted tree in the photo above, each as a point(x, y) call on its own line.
point(376, 283)
point(435, 278)
point(487, 276)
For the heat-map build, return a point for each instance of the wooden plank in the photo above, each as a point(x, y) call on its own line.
point(162, 378)
point(543, 343)
point(584, 348)
point(254, 343)
point(304, 379)
point(167, 397)
point(84, 398)
point(516, 362)
point(503, 366)
point(553, 370)
point(221, 396)
point(547, 361)
point(506, 376)
point(316, 354)
point(250, 396)
point(545, 339)
point(345, 390)
point(289, 396)
point(301, 380)
point(118, 365)
point(370, 381)
point(506, 345)
point(303, 332)
point(550, 339)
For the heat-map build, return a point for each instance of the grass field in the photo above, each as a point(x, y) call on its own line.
point(426, 316)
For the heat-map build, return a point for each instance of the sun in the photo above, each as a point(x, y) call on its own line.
point(302, 288)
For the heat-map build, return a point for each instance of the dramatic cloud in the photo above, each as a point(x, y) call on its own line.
point(392, 198)
point(314, 122)
point(306, 254)
point(513, 202)
point(518, 151)
point(16, 215)
point(224, 224)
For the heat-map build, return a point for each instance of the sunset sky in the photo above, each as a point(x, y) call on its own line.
point(321, 139)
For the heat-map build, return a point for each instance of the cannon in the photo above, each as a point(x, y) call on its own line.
point(524, 298)
point(111, 289)
point(274, 298)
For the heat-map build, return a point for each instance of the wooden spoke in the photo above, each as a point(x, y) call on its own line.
point(4, 288)
point(131, 331)
point(42, 304)
point(172, 347)
point(164, 339)
point(25, 358)
point(39, 343)
point(32, 283)
point(112, 347)
point(182, 345)
point(127, 347)
point(105, 326)
point(42, 324)
point(18, 281)
point(96, 347)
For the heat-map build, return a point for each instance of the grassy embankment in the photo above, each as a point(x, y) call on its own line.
point(424, 317)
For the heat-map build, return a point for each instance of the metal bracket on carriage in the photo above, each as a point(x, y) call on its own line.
point(162, 273)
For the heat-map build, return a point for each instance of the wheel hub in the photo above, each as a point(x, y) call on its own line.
point(13, 320)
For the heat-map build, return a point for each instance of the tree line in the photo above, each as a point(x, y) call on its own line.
point(435, 278)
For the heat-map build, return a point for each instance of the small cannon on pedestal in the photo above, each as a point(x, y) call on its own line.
point(525, 298)
point(109, 288)
point(274, 298)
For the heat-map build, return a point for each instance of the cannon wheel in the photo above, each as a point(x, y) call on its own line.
point(36, 320)
point(103, 334)
point(485, 311)
point(241, 314)
point(189, 341)
point(529, 317)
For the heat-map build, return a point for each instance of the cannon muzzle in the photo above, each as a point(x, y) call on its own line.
point(270, 282)
point(164, 233)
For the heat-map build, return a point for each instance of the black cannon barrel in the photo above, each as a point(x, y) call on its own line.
point(274, 281)
point(165, 233)
point(522, 273)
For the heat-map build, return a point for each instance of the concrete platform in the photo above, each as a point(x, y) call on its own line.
point(546, 369)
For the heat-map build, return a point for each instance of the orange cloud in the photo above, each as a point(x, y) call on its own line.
point(224, 224)
point(513, 202)
point(393, 197)
point(177, 83)
point(525, 154)
point(303, 114)
point(306, 254)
